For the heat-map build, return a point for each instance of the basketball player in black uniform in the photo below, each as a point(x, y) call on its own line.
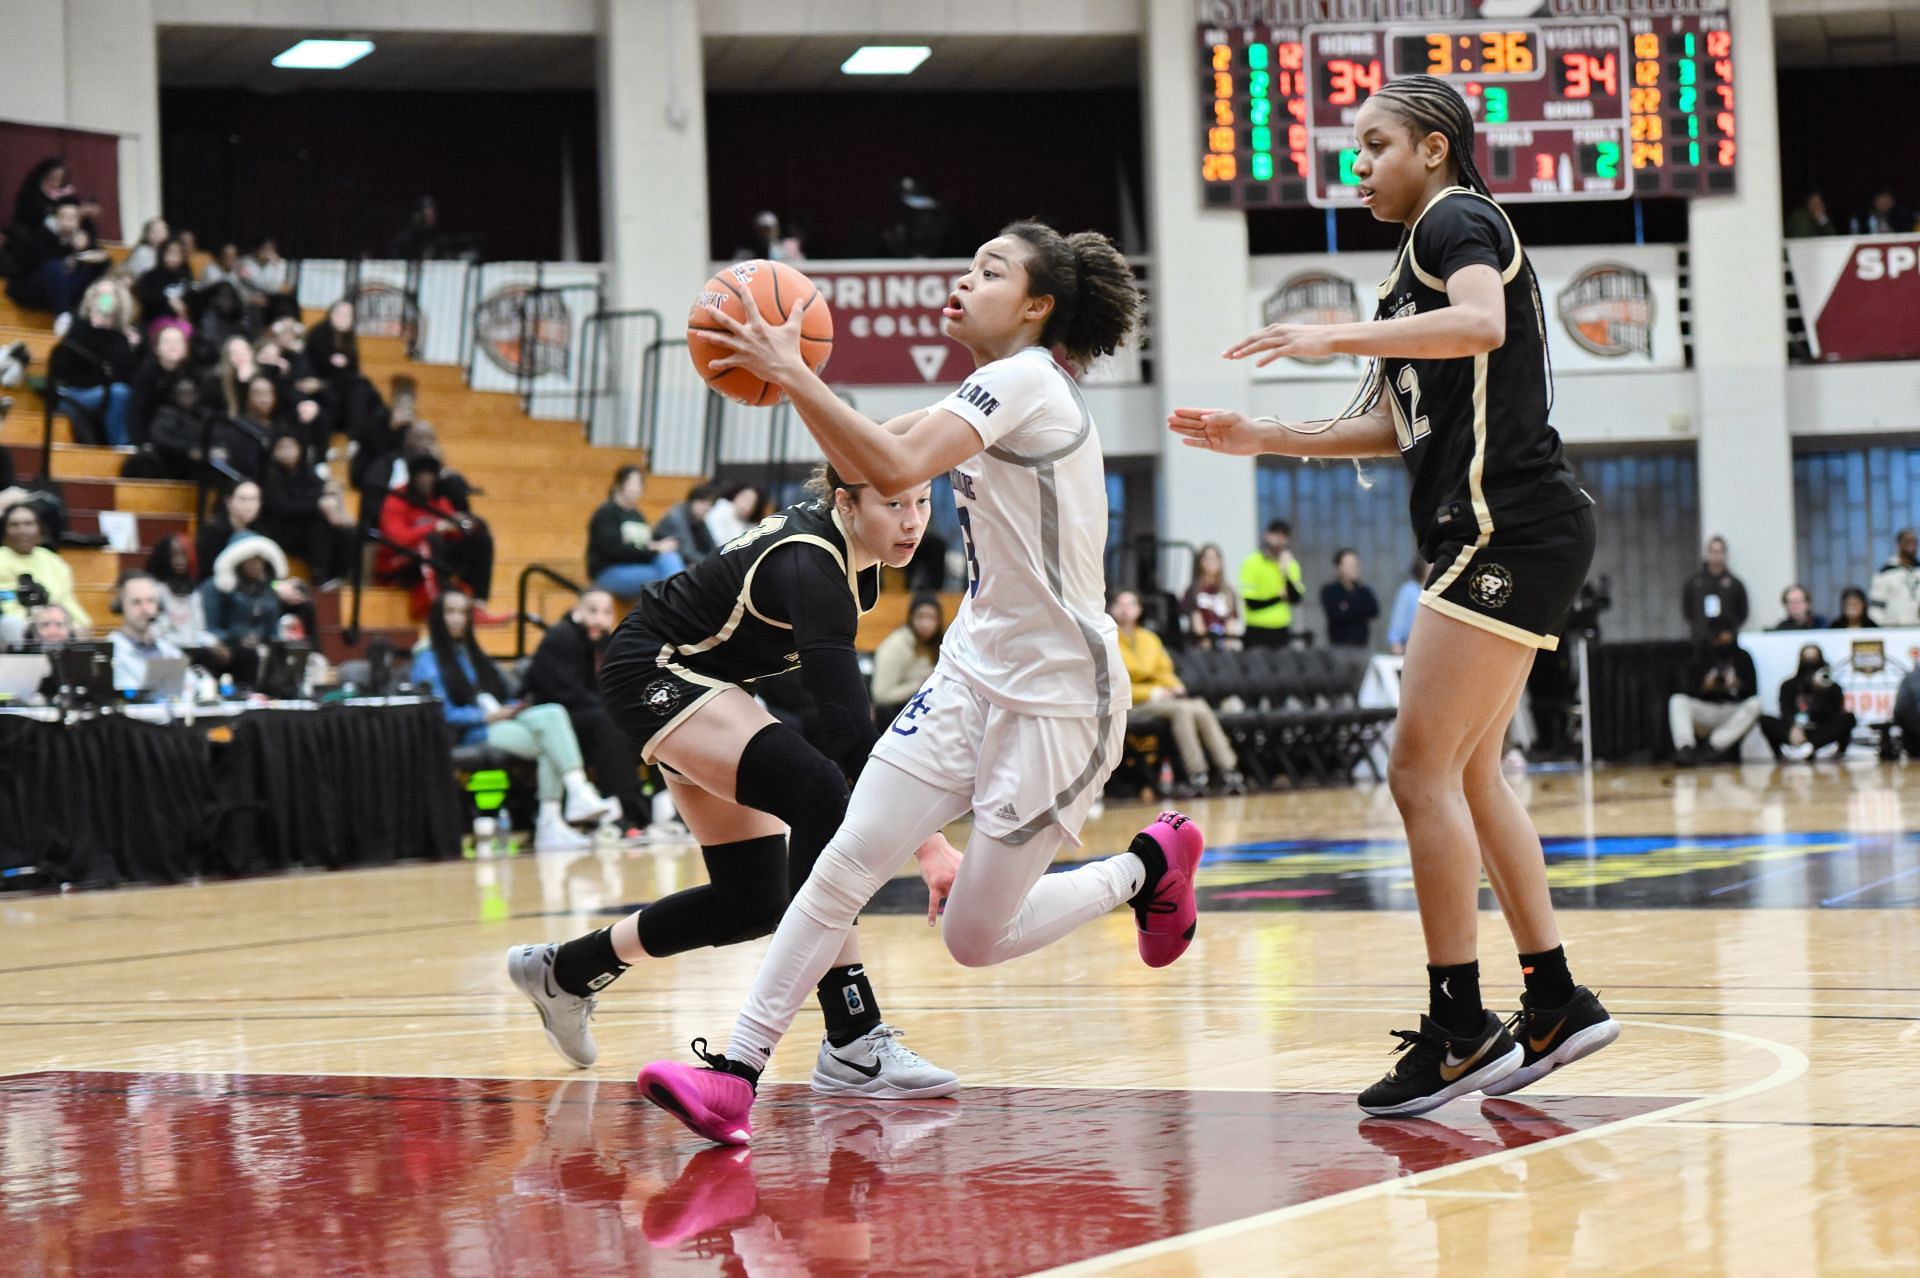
point(785, 595)
point(1460, 388)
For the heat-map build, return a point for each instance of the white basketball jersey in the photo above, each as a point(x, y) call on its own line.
point(1032, 634)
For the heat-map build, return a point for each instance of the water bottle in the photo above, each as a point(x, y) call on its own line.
point(484, 829)
point(226, 687)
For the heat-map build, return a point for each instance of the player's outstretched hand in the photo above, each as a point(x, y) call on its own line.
point(1283, 341)
point(939, 864)
point(770, 352)
point(1219, 429)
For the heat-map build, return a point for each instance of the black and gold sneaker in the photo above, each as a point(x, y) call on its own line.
point(1556, 1036)
point(1438, 1065)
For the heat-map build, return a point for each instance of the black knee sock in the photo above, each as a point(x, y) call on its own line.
point(847, 1000)
point(744, 898)
point(587, 964)
point(1453, 997)
point(1549, 983)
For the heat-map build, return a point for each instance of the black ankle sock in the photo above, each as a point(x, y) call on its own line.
point(1453, 997)
point(1549, 983)
point(848, 1002)
point(1154, 858)
point(586, 965)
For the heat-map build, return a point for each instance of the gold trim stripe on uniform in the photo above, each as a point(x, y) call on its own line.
point(1492, 625)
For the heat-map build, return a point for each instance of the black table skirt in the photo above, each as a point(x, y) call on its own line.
point(113, 800)
point(1630, 684)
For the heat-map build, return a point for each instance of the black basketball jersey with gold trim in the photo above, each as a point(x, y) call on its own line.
point(1473, 430)
point(709, 620)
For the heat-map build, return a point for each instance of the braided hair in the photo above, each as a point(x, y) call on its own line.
point(1428, 104)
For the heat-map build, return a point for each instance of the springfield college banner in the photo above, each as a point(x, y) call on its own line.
point(1610, 308)
point(1860, 295)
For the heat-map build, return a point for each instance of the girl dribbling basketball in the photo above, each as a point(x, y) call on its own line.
point(1460, 388)
point(1022, 718)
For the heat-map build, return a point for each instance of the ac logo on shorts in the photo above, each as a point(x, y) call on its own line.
point(1491, 586)
point(911, 711)
point(661, 696)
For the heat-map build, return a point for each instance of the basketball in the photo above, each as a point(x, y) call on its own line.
point(776, 289)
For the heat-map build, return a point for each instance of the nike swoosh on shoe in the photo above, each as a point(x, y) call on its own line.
point(1451, 1070)
point(871, 1071)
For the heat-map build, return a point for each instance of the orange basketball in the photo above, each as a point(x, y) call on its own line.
point(776, 289)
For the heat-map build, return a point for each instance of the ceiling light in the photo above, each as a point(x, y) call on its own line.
point(885, 59)
point(323, 55)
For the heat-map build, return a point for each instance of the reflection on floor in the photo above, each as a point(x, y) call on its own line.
point(292, 1174)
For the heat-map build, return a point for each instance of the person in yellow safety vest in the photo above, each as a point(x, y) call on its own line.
point(1270, 585)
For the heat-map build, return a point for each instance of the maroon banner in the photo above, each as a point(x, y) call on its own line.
point(93, 167)
point(886, 322)
point(1873, 311)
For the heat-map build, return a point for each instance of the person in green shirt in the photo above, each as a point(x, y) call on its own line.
point(1270, 585)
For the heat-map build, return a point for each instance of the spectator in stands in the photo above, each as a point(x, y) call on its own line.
point(182, 616)
point(46, 187)
point(23, 559)
point(474, 697)
point(94, 363)
point(1893, 596)
point(1160, 697)
point(264, 273)
point(1813, 712)
point(1210, 608)
point(1270, 585)
point(261, 414)
point(426, 538)
point(224, 388)
point(50, 626)
point(55, 260)
point(223, 317)
point(1854, 614)
point(1885, 215)
point(1721, 699)
point(1405, 604)
point(905, 658)
point(332, 346)
point(1714, 593)
point(1800, 613)
point(623, 556)
point(1810, 219)
point(767, 241)
point(138, 640)
point(416, 239)
point(243, 602)
point(239, 511)
point(686, 524)
point(737, 510)
point(153, 377)
point(162, 290)
point(1348, 602)
point(295, 512)
point(566, 672)
point(223, 268)
point(146, 254)
point(178, 427)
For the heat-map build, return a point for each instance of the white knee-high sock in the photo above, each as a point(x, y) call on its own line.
point(889, 815)
point(1005, 904)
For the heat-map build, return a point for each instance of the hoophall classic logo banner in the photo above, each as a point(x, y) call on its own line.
point(1860, 295)
point(1611, 308)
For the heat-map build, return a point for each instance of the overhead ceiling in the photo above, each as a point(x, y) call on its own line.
point(1863, 37)
point(230, 57)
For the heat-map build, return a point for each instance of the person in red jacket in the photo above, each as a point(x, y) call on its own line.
point(419, 519)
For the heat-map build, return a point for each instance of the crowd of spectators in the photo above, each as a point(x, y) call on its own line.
point(1884, 214)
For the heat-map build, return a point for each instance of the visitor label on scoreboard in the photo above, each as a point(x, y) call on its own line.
point(1574, 99)
point(887, 324)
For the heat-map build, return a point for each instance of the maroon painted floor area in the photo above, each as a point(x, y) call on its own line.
point(293, 1175)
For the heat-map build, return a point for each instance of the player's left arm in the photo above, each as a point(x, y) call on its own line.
point(906, 451)
point(1473, 322)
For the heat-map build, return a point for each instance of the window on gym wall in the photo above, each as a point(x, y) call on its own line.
point(1848, 504)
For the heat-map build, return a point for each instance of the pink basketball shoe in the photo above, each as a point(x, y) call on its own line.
point(715, 1102)
point(1165, 912)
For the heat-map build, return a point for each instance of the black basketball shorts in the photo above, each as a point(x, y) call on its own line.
point(649, 699)
point(1522, 583)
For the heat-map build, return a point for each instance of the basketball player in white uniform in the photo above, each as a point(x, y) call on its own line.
point(1022, 719)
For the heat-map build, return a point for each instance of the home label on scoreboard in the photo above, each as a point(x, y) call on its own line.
point(1548, 102)
point(1572, 99)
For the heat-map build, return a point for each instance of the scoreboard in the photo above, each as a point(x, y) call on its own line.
point(1627, 99)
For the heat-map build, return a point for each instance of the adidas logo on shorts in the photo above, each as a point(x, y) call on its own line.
point(1006, 812)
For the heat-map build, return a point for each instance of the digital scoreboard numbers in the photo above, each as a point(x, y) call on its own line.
point(1624, 100)
point(1548, 101)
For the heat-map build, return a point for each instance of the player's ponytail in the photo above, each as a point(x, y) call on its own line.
point(1096, 304)
point(825, 479)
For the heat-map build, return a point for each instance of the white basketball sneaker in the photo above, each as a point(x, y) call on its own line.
point(879, 1065)
point(566, 1017)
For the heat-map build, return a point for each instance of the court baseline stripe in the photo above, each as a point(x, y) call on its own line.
point(1790, 1064)
point(1891, 878)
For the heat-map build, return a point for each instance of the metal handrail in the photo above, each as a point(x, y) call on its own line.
point(520, 602)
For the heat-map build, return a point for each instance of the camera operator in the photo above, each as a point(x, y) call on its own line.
point(1813, 712)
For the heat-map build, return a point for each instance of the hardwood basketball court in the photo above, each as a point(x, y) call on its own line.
point(330, 1074)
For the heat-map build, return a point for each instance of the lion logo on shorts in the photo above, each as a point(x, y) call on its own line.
point(1491, 586)
point(660, 697)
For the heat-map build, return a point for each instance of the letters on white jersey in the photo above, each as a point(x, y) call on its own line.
point(1032, 634)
